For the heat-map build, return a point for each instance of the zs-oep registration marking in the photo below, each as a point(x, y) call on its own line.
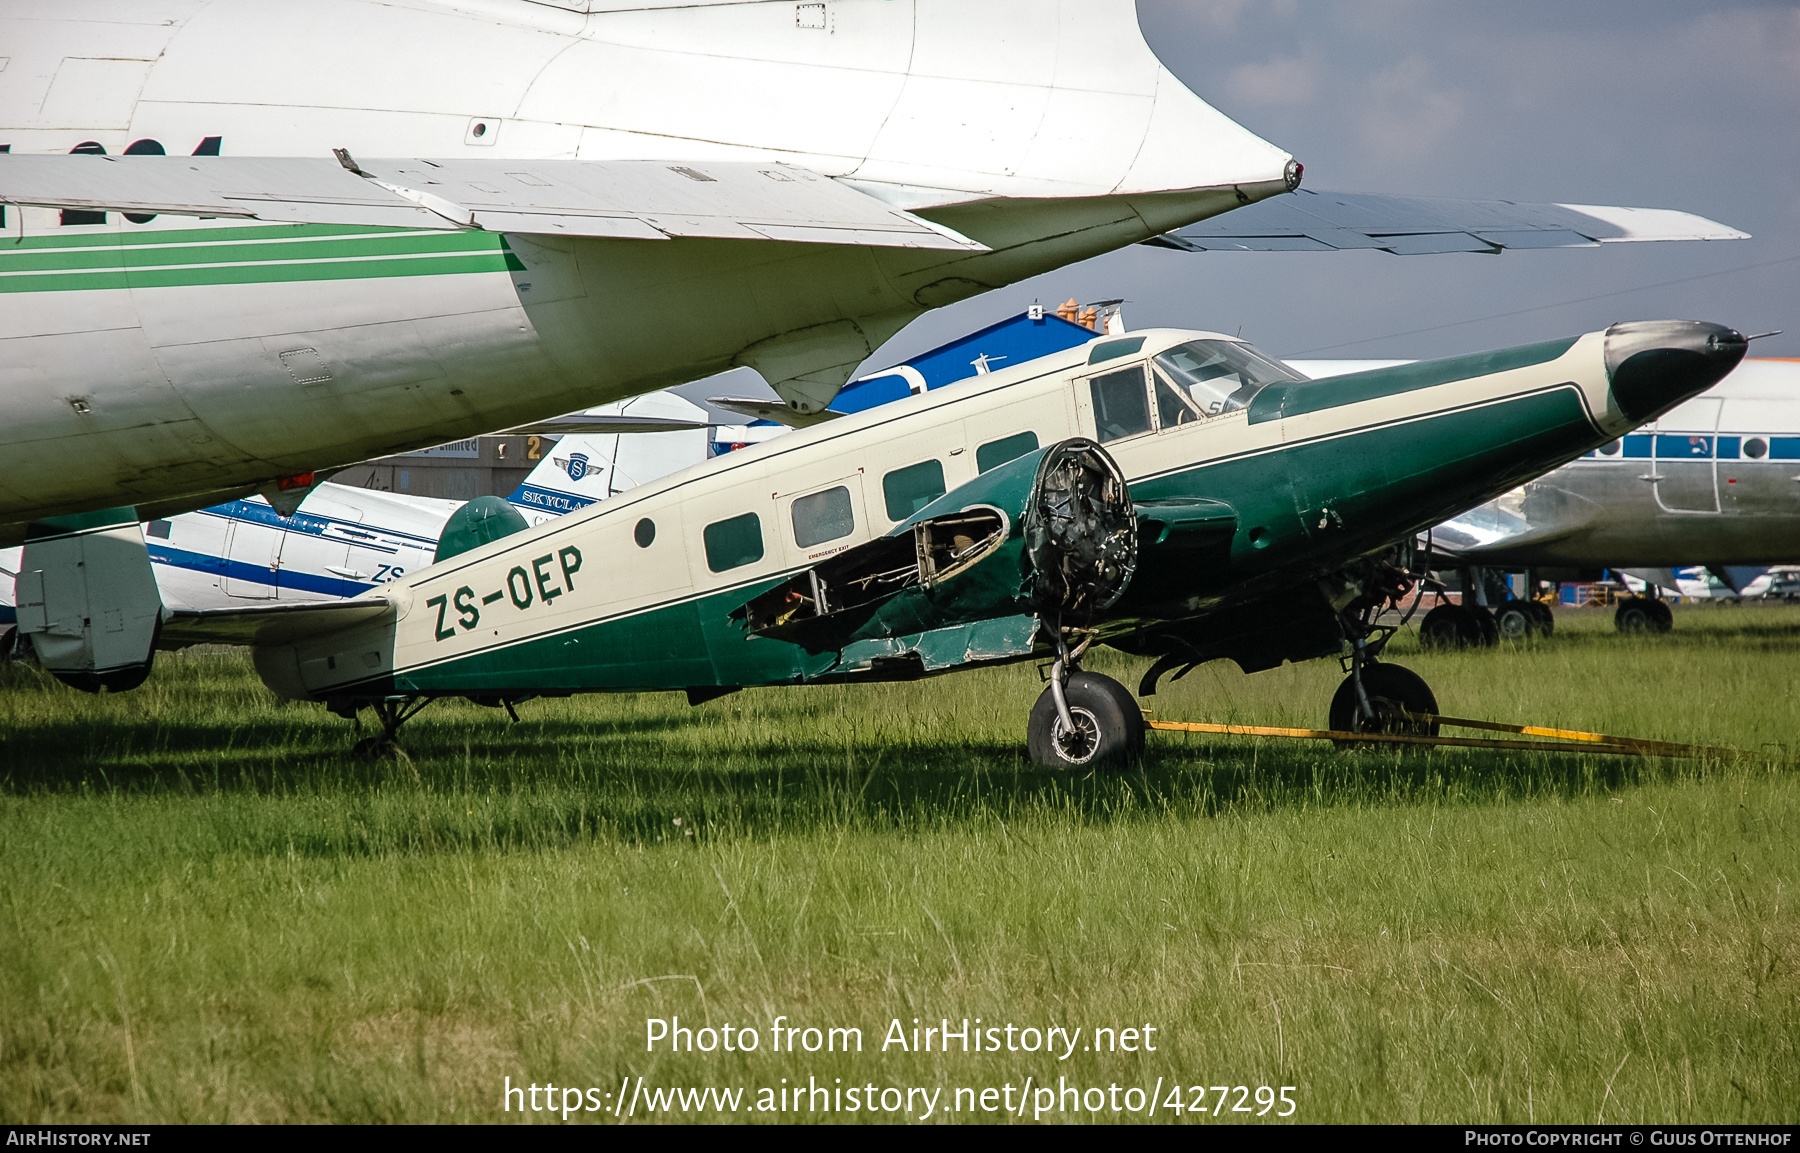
point(524, 589)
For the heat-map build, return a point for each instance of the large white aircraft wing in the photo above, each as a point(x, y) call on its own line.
point(1309, 221)
point(629, 199)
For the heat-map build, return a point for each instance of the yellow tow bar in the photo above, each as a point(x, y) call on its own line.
point(1565, 740)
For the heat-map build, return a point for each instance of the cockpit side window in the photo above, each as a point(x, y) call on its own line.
point(1221, 375)
point(1173, 408)
point(1121, 406)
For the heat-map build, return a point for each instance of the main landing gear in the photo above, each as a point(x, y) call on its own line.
point(1081, 540)
point(1517, 620)
point(1375, 697)
point(1472, 624)
point(1467, 626)
point(1083, 719)
point(1643, 615)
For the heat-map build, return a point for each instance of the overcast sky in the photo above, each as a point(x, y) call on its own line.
point(1650, 103)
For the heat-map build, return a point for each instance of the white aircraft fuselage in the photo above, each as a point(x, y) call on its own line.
point(171, 362)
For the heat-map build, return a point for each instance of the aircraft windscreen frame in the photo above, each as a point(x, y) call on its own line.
point(1193, 367)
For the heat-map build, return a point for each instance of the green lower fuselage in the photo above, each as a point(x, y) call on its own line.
point(1307, 478)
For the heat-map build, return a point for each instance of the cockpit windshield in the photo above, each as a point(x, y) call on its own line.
point(1221, 375)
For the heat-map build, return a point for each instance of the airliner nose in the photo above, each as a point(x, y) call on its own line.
point(1656, 364)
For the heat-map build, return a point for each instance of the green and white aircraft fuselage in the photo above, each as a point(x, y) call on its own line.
point(900, 541)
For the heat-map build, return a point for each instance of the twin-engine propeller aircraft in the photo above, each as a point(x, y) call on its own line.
point(1172, 493)
point(239, 267)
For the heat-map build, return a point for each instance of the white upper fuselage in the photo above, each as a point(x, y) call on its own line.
point(187, 360)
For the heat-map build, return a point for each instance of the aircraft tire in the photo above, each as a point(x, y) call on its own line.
point(1635, 615)
point(1515, 622)
point(1545, 618)
point(1662, 620)
point(1453, 627)
point(1390, 686)
point(1110, 726)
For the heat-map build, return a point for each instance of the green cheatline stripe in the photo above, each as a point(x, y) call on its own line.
point(448, 265)
point(141, 256)
point(154, 236)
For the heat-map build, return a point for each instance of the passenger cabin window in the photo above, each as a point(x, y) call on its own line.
point(1221, 375)
point(1121, 406)
point(995, 453)
point(909, 489)
point(733, 543)
point(823, 516)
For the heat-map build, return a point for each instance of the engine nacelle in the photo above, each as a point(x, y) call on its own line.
point(88, 600)
point(1051, 534)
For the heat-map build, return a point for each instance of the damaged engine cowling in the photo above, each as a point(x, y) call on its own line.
point(1052, 533)
point(1080, 533)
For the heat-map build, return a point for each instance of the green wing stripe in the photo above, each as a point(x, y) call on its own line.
point(448, 265)
point(252, 232)
point(171, 258)
point(146, 256)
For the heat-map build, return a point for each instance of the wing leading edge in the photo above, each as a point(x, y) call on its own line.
point(1310, 221)
point(622, 199)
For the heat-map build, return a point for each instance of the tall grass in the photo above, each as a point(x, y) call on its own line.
point(213, 913)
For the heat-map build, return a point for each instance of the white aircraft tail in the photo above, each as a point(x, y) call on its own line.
point(585, 468)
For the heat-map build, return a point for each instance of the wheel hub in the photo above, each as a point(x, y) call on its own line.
point(1076, 745)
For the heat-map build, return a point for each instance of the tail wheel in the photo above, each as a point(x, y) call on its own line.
point(1391, 689)
point(1108, 728)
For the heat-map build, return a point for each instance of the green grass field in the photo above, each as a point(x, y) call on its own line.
point(211, 913)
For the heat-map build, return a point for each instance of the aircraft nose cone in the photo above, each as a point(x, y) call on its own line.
point(1656, 364)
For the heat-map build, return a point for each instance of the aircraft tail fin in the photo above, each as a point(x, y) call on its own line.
point(584, 468)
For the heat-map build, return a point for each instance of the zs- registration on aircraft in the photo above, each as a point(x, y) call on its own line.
point(251, 243)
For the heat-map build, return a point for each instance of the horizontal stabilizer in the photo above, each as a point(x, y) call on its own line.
point(1310, 221)
point(771, 410)
point(622, 199)
point(267, 624)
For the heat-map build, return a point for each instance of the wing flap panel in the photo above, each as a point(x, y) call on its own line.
point(632, 199)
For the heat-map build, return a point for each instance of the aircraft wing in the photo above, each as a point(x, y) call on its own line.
point(624, 199)
point(771, 410)
point(1309, 221)
point(266, 624)
point(605, 425)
